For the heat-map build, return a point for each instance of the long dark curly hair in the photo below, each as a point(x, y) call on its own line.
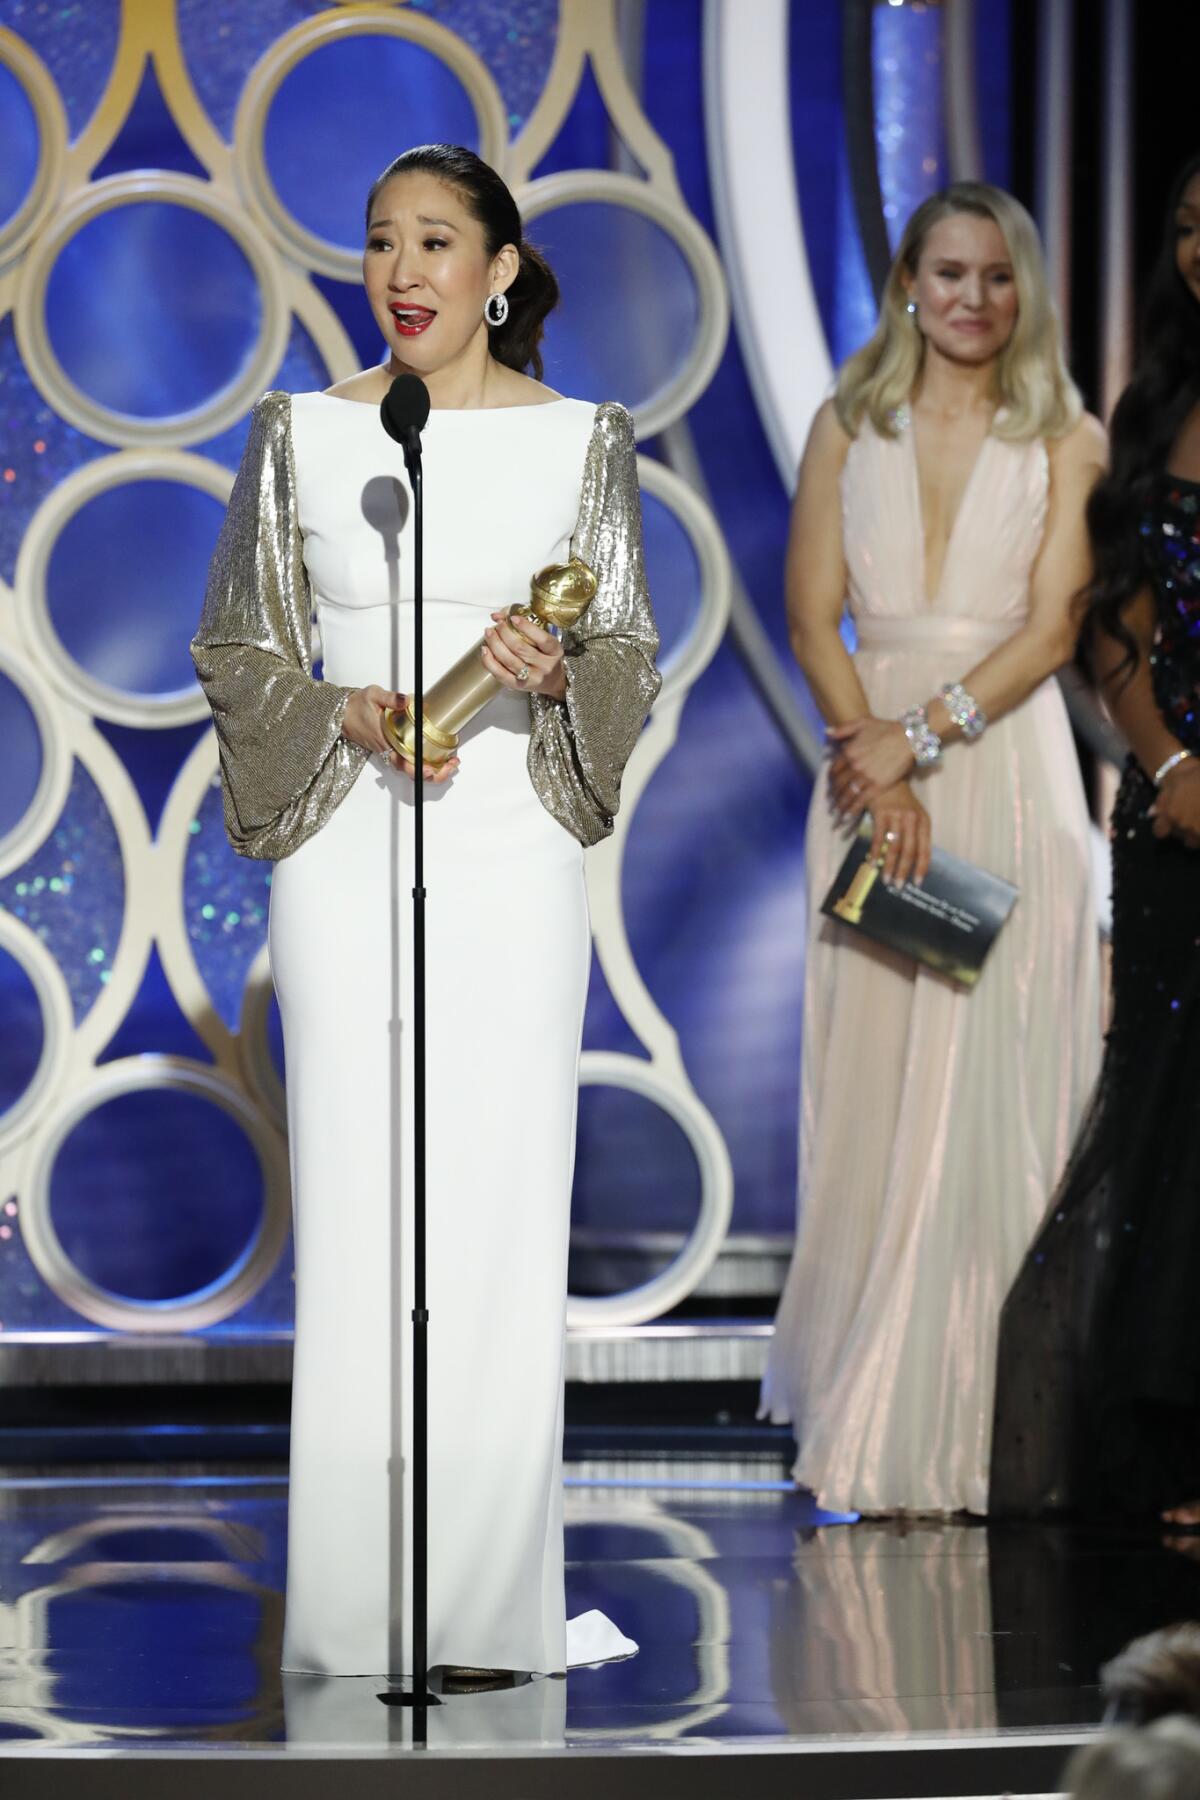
point(1164, 389)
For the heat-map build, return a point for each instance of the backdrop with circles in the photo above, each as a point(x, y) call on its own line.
point(143, 309)
point(180, 210)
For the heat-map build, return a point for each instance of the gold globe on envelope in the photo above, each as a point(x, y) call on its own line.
point(559, 595)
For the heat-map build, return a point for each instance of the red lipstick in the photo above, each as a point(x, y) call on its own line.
point(411, 321)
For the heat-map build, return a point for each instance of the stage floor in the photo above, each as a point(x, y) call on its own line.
point(142, 1614)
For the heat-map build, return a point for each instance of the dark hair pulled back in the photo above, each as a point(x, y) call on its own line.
point(534, 293)
point(1164, 389)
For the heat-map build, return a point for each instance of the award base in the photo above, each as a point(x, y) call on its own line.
point(400, 730)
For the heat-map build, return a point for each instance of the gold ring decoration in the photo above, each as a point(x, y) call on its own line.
point(523, 672)
point(558, 597)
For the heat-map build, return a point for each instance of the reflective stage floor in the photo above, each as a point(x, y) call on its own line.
point(140, 1618)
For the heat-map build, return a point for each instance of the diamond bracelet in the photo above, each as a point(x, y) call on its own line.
point(1172, 762)
point(924, 741)
point(965, 711)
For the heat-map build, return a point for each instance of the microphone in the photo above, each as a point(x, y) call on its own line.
point(403, 412)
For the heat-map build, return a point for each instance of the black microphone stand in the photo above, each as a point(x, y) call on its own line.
point(420, 1318)
point(420, 1698)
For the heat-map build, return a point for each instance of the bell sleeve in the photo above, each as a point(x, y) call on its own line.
point(285, 766)
point(579, 747)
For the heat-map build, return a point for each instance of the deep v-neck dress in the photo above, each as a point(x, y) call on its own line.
point(935, 1121)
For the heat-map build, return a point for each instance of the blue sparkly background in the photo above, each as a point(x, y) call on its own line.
point(71, 892)
point(170, 314)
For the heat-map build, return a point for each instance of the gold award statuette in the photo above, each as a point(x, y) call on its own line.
point(850, 906)
point(558, 596)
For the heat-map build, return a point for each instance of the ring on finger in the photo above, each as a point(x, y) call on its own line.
point(523, 674)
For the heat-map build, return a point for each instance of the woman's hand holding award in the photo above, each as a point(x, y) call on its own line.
point(558, 597)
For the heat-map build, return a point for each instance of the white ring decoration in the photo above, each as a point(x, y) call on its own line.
point(588, 186)
point(54, 781)
point(175, 947)
point(58, 1025)
point(29, 1619)
point(121, 706)
point(686, 1562)
point(65, 1545)
point(42, 94)
point(747, 107)
point(294, 47)
point(605, 1068)
point(695, 651)
point(254, 1051)
point(231, 402)
point(138, 1074)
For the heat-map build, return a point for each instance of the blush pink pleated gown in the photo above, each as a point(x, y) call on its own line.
point(935, 1121)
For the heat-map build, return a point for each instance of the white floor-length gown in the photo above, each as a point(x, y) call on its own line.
point(935, 1121)
point(508, 956)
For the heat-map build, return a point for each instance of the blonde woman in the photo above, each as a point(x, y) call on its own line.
point(941, 497)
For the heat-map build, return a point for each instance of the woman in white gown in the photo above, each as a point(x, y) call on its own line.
point(942, 498)
point(515, 478)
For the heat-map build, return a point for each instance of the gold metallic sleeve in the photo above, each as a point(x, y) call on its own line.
point(284, 763)
point(578, 748)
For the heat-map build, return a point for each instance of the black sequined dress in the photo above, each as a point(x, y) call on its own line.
point(1098, 1379)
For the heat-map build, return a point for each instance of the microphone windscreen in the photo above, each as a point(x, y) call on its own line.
point(405, 407)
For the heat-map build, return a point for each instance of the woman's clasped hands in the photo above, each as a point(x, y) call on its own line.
point(873, 754)
point(871, 760)
point(362, 724)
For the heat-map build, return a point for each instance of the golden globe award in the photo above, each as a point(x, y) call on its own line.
point(558, 596)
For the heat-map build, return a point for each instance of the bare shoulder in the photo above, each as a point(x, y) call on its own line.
point(827, 433)
point(827, 446)
point(1085, 446)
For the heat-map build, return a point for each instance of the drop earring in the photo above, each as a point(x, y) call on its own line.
point(495, 309)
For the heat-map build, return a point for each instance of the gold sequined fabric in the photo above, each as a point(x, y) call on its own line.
point(285, 765)
point(578, 749)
